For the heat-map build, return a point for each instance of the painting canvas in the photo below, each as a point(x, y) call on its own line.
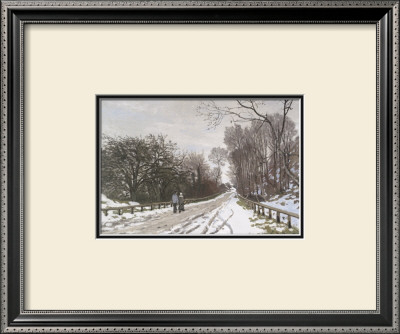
point(181, 166)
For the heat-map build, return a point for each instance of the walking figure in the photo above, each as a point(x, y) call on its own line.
point(175, 201)
point(181, 203)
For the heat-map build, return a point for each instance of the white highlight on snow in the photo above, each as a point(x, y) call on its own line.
point(106, 202)
point(231, 218)
point(113, 216)
point(289, 202)
point(228, 219)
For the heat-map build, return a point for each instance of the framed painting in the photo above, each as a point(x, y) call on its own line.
point(199, 166)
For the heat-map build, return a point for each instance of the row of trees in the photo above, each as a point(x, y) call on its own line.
point(151, 168)
point(262, 150)
point(264, 153)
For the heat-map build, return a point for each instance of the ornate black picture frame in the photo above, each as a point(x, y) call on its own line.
point(16, 14)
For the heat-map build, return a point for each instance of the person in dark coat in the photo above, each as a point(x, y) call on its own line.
point(181, 203)
point(175, 201)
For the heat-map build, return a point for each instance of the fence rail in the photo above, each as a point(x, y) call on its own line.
point(260, 209)
point(154, 205)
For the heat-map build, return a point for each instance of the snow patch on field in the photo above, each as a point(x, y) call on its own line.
point(139, 216)
point(106, 202)
point(288, 202)
point(112, 217)
point(230, 218)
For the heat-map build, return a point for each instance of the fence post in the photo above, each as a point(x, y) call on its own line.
point(278, 216)
point(289, 221)
point(119, 211)
point(106, 212)
point(132, 209)
point(254, 207)
point(141, 208)
point(263, 211)
point(159, 206)
point(269, 214)
point(151, 207)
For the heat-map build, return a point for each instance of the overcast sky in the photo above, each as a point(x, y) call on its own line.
point(176, 118)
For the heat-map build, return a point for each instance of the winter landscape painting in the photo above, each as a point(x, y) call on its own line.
point(217, 166)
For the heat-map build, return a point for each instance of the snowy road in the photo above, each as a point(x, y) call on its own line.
point(165, 221)
point(221, 215)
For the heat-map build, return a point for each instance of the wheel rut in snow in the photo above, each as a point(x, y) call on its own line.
point(217, 214)
point(225, 223)
point(166, 222)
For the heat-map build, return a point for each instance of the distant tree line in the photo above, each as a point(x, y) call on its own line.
point(264, 153)
point(151, 168)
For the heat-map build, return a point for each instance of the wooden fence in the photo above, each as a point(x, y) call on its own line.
point(261, 208)
point(152, 206)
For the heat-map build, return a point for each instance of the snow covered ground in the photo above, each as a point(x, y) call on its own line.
point(223, 215)
point(106, 202)
point(287, 202)
point(230, 218)
point(113, 217)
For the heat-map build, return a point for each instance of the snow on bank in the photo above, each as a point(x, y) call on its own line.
point(112, 218)
point(106, 202)
point(230, 218)
point(288, 202)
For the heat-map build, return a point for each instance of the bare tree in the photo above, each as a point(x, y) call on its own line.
point(216, 174)
point(243, 111)
point(135, 167)
point(165, 164)
point(218, 157)
point(124, 165)
point(199, 171)
point(263, 155)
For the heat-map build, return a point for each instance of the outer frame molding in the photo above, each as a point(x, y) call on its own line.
point(14, 14)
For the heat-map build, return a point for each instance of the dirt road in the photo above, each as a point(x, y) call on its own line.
point(165, 221)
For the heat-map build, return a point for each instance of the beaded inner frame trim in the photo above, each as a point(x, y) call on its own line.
point(5, 5)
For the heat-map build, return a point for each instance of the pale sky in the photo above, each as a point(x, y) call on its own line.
point(176, 118)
